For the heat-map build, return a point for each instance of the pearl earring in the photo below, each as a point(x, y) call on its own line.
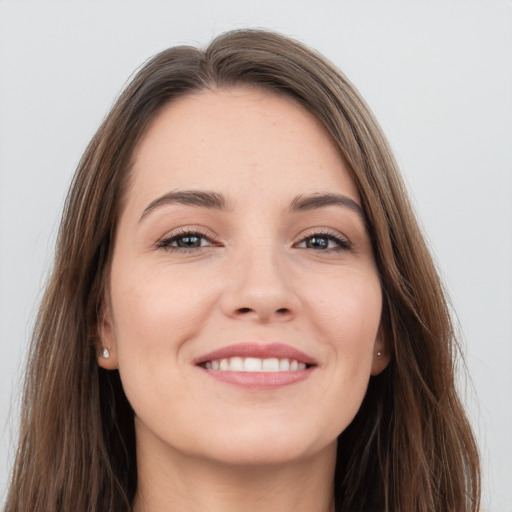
point(379, 355)
point(105, 352)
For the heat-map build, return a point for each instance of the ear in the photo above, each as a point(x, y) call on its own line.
point(107, 344)
point(381, 353)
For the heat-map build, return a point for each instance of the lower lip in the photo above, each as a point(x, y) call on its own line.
point(260, 380)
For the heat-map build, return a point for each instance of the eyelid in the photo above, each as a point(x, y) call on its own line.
point(164, 241)
point(344, 241)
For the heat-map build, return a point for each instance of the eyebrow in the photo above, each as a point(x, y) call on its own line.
point(315, 201)
point(213, 200)
point(187, 197)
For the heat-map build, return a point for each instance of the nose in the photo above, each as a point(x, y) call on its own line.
point(259, 288)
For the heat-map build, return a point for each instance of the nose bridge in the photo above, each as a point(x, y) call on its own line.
point(259, 284)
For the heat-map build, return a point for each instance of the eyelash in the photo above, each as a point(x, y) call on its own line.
point(165, 243)
point(342, 244)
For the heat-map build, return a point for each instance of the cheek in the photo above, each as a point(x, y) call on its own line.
point(347, 313)
point(155, 312)
point(348, 310)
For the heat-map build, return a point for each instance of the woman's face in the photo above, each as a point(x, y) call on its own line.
point(244, 301)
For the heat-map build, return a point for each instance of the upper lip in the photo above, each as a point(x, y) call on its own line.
point(259, 350)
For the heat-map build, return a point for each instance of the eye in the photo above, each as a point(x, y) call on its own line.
point(185, 241)
point(324, 242)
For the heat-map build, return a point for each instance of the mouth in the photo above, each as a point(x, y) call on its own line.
point(257, 366)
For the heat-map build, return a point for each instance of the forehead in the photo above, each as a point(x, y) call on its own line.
point(238, 141)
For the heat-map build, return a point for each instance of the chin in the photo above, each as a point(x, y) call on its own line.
point(270, 446)
point(260, 457)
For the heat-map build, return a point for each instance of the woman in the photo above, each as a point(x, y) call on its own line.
point(243, 314)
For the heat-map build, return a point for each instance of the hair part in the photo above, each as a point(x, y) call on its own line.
point(410, 447)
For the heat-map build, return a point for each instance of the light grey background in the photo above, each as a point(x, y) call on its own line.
point(438, 75)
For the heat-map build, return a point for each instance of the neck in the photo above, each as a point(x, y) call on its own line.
point(173, 482)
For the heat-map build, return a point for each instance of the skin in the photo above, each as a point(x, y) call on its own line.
point(257, 277)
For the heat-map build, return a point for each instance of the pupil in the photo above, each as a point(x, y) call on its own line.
point(317, 242)
point(189, 241)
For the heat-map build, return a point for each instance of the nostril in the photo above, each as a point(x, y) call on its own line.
point(263, 312)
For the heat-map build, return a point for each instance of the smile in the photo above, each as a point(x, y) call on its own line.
point(255, 364)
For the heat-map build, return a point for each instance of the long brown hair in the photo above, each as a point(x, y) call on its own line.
point(410, 447)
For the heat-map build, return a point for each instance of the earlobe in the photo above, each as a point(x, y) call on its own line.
point(107, 346)
point(380, 362)
point(381, 354)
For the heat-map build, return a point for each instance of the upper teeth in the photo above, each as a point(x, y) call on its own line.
point(254, 364)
